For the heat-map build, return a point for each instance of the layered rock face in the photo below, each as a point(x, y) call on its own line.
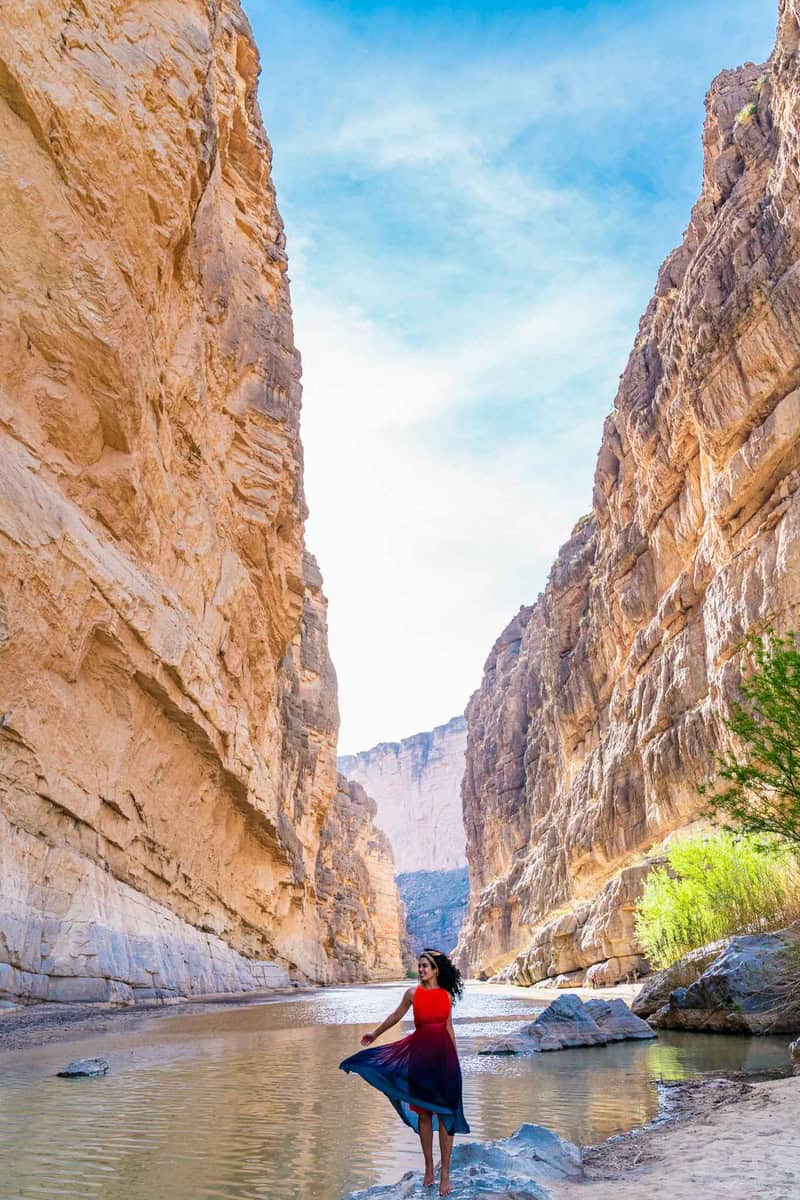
point(167, 750)
point(416, 785)
point(601, 706)
point(356, 887)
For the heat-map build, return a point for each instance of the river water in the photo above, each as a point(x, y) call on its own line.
point(248, 1104)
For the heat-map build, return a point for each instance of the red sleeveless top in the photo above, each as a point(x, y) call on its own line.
point(431, 1006)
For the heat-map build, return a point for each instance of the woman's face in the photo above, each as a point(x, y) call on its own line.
point(427, 973)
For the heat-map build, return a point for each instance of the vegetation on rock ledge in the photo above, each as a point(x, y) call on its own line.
point(715, 886)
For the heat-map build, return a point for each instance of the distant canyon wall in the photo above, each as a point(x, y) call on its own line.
point(416, 784)
point(435, 906)
point(602, 704)
point(171, 817)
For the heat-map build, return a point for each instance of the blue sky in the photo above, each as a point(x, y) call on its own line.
point(477, 200)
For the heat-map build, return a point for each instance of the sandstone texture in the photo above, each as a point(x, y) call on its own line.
point(435, 904)
point(359, 902)
point(602, 704)
point(168, 711)
point(416, 785)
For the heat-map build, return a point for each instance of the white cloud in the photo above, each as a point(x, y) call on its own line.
point(427, 551)
point(474, 226)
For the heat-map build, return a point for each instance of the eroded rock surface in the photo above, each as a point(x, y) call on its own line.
point(359, 901)
point(167, 741)
point(656, 990)
point(602, 705)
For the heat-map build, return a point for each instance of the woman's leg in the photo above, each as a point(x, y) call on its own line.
point(426, 1137)
point(445, 1149)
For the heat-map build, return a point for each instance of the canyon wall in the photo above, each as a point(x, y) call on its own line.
point(169, 804)
point(416, 785)
point(435, 904)
point(602, 704)
point(355, 881)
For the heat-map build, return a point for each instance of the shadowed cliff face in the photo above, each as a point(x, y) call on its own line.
point(167, 755)
point(599, 711)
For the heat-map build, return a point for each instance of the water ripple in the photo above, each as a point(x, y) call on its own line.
point(248, 1104)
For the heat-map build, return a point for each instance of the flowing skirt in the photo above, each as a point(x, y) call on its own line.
point(418, 1072)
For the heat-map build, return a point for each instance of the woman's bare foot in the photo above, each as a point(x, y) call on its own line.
point(444, 1186)
point(429, 1178)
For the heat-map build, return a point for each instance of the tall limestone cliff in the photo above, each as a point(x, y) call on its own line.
point(169, 719)
point(416, 785)
point(600, 708)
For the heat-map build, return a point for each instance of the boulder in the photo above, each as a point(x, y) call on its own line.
point(656, 992)
point(84, 1067)
point(741, 991)
point(568, 1022)
point(616, 1021)
point(512, 1167)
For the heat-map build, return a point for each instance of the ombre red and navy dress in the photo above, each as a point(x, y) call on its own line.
point(420, 1072)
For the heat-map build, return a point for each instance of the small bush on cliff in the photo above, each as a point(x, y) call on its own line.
point(760, 789)
point(715, 886)
point(746, 114)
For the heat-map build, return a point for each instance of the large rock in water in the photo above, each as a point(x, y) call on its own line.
point(616, 1021)
point(168, 705)
point(602, 705)
point(568, 1022)
point(743, 990)
point(84, 1067)
point(513, 1167)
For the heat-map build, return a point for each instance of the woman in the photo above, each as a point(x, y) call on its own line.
point(420, 1074)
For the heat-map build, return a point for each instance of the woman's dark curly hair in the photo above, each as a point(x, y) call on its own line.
point(449, 975)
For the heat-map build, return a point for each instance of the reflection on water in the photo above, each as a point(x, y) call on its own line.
point(248, 1104)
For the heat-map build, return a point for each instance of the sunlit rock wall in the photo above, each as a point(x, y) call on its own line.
point(416, 784)
point(358, 894)
point(167, 750)
point(601, 705)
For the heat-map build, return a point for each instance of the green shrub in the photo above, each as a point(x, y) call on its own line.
point(715, 886)
point(746, 114)
point(760, 788)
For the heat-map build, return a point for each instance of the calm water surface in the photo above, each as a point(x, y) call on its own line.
point(248, 1104)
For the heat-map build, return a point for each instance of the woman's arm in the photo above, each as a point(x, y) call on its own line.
point(392, 1019)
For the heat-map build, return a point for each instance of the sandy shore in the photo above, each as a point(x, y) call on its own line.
point(730, 1140)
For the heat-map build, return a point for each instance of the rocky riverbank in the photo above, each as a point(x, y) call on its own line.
point(727, 1139)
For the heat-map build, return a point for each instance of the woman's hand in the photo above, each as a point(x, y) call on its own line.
point(368, 1039)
